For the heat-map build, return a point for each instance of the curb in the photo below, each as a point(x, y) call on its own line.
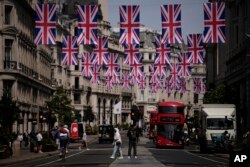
point(39, 156)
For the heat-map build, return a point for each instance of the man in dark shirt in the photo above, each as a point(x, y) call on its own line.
point(133, 135)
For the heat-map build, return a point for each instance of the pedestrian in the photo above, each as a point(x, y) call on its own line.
point(84, 141)
point(117, 150)
point(133, 136)
point(26, 138)
point(39, 139)
point(20, 139)
point(64, 138)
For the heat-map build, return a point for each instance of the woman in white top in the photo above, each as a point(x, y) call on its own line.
point(117, 145)
point(39, 139)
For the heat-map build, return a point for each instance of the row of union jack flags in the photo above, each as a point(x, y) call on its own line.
point(45, 24)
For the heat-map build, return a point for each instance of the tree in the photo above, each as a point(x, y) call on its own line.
point(222, 94)
point(9, 112)
point(88, 114)
point(59, 105)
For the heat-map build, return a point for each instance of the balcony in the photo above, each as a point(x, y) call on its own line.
point(77, 87)
point(10, 65)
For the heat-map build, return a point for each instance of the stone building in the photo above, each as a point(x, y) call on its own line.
point(229, 63)
point(24, 67)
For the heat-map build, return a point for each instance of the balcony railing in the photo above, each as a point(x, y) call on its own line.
point(12, 65)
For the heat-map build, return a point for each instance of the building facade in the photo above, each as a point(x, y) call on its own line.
point(24, 67)
point(229, 63)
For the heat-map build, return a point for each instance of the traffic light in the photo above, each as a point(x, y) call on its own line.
point(41, 116)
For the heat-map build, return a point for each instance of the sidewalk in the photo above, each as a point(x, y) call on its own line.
point(25, 154)
point(145, 158)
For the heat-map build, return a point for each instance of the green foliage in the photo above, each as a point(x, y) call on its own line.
point(221, 95)
point(9, 112)
point(88, 114)
point(59, 104)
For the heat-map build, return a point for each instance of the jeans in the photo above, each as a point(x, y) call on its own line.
point(132, 144)
point(117, 150)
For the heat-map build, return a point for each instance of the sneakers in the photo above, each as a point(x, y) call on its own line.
point(40, 152)
point(135, 157)
point(88, 149)
point(120, 157)
point(112, 157)
point(129, 157)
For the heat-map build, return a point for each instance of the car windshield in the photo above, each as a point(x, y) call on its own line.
point(219, 123)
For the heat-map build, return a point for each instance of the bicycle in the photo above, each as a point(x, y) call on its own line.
point(63, 145)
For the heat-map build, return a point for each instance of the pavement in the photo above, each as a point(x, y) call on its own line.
point(24, 153)
point(144, 157)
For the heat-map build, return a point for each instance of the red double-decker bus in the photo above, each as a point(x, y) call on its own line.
point(152, 124)
point(170, 122)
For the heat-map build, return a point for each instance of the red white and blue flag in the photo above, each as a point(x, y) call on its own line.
point(129, 24)
point(112, 65)
point(87, 64)
point(197, 85)
point(69, 51)
point(174, 78)
point(168, 86)
point(184, 68)
point(142, 80)
point(126, 81)
point(195, 48)
point(136, 69)
point(109, 82)
point(87, 24)
point(131, 51)
point(45, 24)
point(101, 49)
point(95, 73)
point(214, 22)
point(171, 23)
point(183, 85)
point(162, 51)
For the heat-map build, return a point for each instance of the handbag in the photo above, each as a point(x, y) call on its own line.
point(118, 143)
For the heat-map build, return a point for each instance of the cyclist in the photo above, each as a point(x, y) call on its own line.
point(64, 139)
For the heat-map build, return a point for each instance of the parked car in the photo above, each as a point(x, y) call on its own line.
point(106, 133)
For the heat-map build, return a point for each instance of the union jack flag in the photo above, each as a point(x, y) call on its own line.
point(87, 64)
point(195, 48)
point(142, 80)
point(184, 68)
point(109, 82)
point(136, 69)
point(95, 73)
point(183, 85)
point(131, 51)
point(87, 24)
point(129, 24)
point(203, 86)
point(162, 51)
point(197, 85)
point(69, 51)
point(214, 22)
point(45, 24)
point(174, 78)
point(101, 50)
point(116, 77)
point(112, 65)
point(168, 86)
point(126, 81)
point(154, 79)
point(171, 23)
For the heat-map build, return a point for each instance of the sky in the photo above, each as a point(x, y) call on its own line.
point(150, 15)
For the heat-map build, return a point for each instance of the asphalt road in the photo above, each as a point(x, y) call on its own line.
point(99, 154)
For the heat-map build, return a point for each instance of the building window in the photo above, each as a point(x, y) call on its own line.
point(8, 10)
point(76, 82)
point(142, 95)
point(77, 67)
point(150, 56)
point(8, 52)
point(77, 98)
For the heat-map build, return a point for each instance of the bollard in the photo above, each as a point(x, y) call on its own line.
point(16, 148)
